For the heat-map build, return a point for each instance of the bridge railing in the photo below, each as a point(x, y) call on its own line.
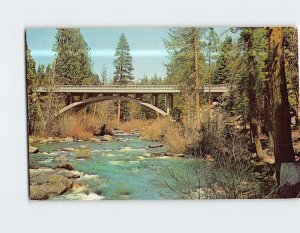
point(130, 86)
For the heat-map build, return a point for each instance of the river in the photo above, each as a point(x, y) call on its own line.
point(116, 170)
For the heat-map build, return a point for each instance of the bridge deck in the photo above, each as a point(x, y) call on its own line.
point(128, 89)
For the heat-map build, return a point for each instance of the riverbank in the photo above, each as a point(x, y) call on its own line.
point(78, 127)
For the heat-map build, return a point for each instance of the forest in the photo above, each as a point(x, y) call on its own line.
point(234, 144)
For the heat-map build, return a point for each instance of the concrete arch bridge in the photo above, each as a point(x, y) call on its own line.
point(132, 93)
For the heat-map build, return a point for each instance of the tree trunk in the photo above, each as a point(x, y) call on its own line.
point(252, 98)
point(280, 111)
point(197, 88)
point(119, 110)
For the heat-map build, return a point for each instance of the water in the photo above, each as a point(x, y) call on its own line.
point(117, 170)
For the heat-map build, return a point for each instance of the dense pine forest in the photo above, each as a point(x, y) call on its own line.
point(235, 143)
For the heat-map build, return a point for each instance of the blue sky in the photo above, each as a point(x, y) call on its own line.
point(146, 44)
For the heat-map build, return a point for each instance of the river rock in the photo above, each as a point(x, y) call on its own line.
point(68, 139)
point(37, 193)
point(82, 146)
point(156, 146)
point(61, 158)
point(154, 155)
point(95, 140)
point(55, 185)
point(39, 178)
point(68, 149)
point(107, 138)
point(66, 166)
point(33, 150)
point(58, 179)
point(290, 173)
point(53, 189)
point(70, 174)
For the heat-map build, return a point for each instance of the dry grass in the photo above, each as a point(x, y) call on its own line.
point(130, 126)
point(77, 126)
point(167, 131)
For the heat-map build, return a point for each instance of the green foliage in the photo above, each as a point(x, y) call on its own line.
point(72, 64)
point(123, 63)
point(181, 68)
point(292, 68)
point(222, 72)
point(211, 46)
point(180, 47)
point(35, 119)
point(103, 75)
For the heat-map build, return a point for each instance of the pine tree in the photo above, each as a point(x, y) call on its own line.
point(123, 73)
point(103, 75)
point(279, 104)
point(41, 74)
point(72, 64)
point(221, 75)
point(182, 46)
point(290, 43)
point(123, 63)
point(211, 49)
point(250, 56)
point(35, 119)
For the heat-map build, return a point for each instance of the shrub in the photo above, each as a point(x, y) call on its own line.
point(165, 130)
point(228, 174)
point(76, 126)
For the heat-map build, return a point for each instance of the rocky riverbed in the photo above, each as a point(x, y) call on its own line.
point(107, 167)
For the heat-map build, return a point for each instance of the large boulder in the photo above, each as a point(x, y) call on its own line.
point(66, 166)
point(107, 138)
point(70, 174)
point(53, 189)
point(33, 150)
point(39, 178)
point(289, 180)
point(95, 140)
point(58, 179)
point(290, 173)
point(38, 193)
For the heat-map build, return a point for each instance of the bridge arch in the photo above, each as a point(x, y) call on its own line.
point(93, 100)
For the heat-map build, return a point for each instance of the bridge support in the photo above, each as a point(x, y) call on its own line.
point(138, 96)
point(168, 103)
point(154, 101)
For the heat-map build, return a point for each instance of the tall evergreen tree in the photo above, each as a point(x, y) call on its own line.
point(123, 63)
point(41, 74)
point(35, 119)
point(247, 35)
point(279, 104)
point(221, 75)
point(103, 75)
point(182, 68)
point(211, 49)
point(72, 64)
point(290, 43)
point(123, 73)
